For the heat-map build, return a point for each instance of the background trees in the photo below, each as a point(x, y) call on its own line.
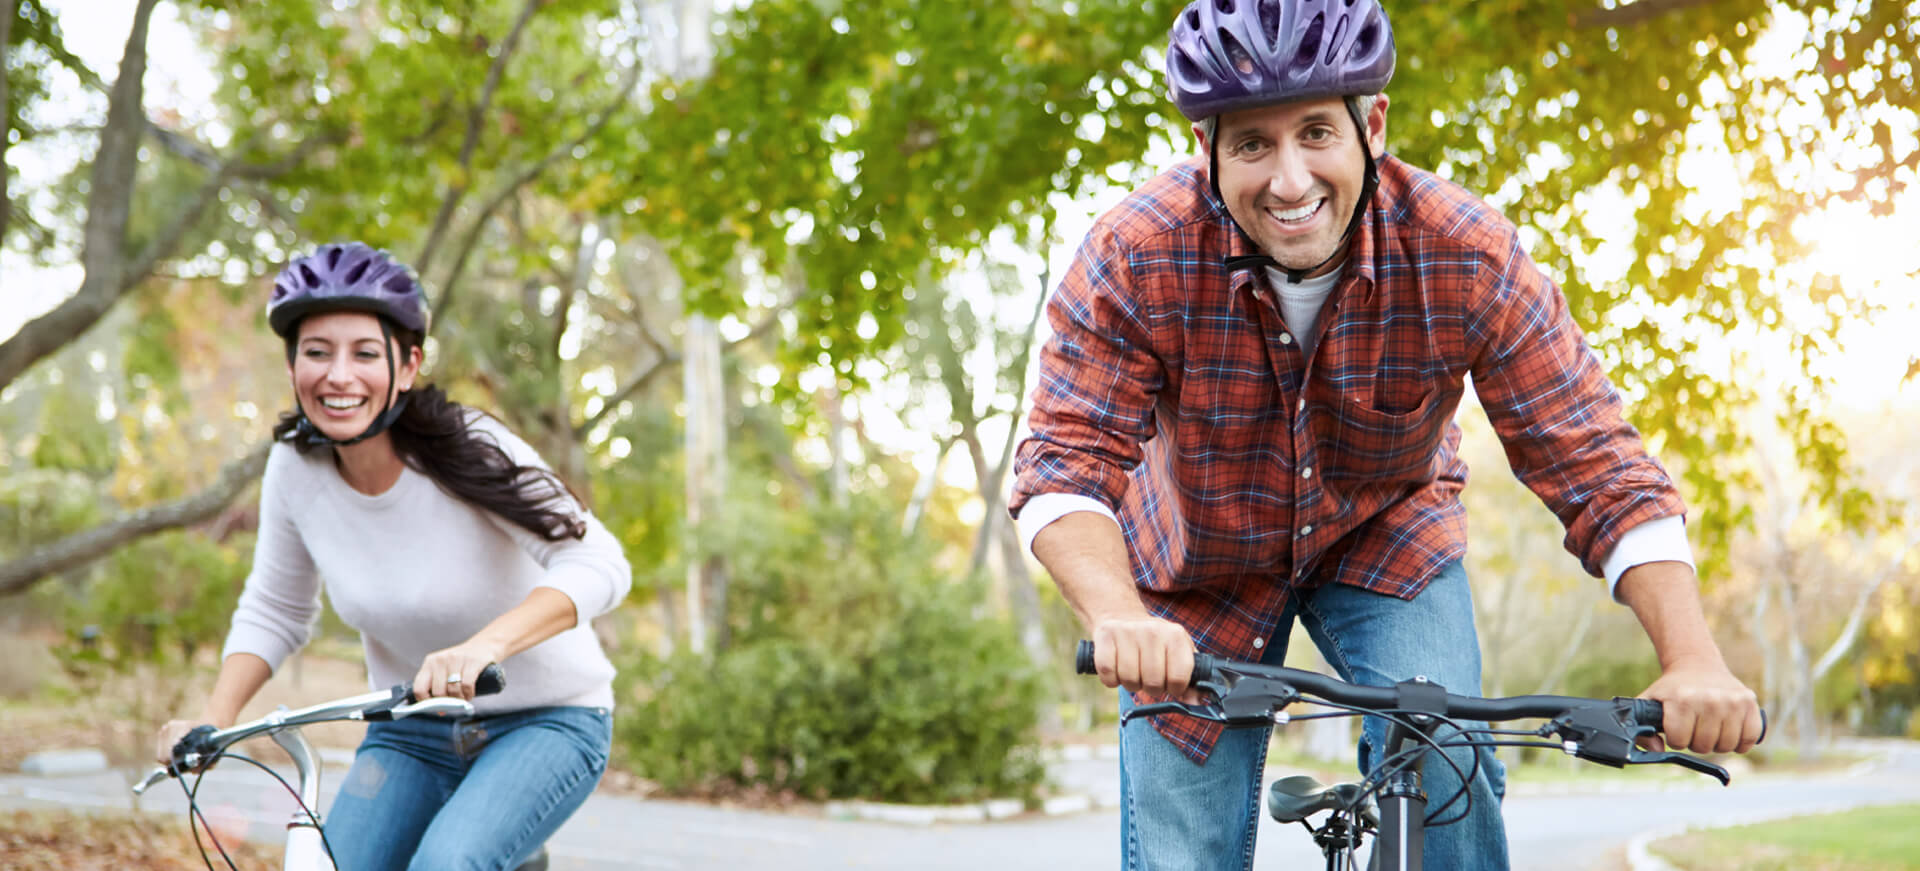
point(723, 263)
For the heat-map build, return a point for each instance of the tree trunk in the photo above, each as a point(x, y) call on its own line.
point(706, 478)
point(923, 489)
point(109, 204)
point(1800, 710)
point(832, 403)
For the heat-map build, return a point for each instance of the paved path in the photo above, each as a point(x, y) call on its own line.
point(1547, 831)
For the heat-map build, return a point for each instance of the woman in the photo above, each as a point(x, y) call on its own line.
point(445, 541)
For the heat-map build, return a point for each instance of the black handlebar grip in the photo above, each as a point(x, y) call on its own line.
point(490, 681)
point(1203, 664)
point(1648, 712)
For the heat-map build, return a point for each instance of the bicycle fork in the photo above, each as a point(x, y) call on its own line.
point(306, 851)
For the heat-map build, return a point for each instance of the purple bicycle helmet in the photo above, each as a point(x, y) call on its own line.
point(1232, 54)
point(346, 277)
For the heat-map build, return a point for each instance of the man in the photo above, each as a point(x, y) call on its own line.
point(1244, 418)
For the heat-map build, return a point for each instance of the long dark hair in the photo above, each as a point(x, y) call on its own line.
point(433, 437)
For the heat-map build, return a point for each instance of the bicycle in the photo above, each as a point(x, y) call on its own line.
point(1389, 804)
point(307, 847)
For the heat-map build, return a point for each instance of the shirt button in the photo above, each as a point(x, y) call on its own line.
point(1259, 643)
point(1286, 338)
point(1306, 530)
point(1306, 472)
point(1300, 406)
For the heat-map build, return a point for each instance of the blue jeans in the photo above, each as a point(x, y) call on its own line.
point(480, 793)
point(1175, 814)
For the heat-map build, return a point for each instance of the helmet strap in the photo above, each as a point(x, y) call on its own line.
point(304, 432)
point(1368, 185)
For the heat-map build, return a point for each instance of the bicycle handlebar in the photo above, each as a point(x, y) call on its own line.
point(1250, 694)
point(205, 742)
point(1212, 669)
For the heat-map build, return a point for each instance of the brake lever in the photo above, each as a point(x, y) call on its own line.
point(1206, 711)
point(1643, 757)
point(1609, 735)
point(1237, 701)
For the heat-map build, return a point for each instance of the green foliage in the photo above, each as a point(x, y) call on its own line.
point(42, 504)
point(868, 141)
point(72, 438)
point(160, 600)
point(1605, 676)
point(860, 673)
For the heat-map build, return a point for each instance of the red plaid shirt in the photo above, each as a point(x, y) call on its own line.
point(1172, 392)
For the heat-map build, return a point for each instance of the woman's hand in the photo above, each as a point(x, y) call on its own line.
point(451, 672)
point(170, 734)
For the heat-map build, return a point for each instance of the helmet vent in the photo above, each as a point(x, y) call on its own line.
point(306, 275)
point(1225, 7)
point(398, 284)
point(333, 257)
point(1270, 19)
point(358, 272)
point(1309, 42)
point(1236, 54)
point(1333, 42)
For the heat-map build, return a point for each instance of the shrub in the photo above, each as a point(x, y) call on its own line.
point(857, 672)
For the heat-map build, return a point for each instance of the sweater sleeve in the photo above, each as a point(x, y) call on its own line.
point(592, 570)
point(276, 611)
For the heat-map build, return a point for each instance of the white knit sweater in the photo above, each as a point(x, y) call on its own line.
point(416, 570)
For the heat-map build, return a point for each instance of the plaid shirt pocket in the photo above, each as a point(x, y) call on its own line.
point(1358, 442)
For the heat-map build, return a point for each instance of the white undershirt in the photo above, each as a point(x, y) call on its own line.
point(1300, 303)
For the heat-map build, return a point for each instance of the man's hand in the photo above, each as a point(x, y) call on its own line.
point(1145, 654)
point(1707, 709)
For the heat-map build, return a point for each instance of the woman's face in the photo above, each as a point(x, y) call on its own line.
point(339, 372)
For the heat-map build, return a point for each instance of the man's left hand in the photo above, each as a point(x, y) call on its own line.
point(1707, 709)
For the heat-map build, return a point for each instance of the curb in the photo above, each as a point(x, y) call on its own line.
point(1641, 858)
point(1071, 802)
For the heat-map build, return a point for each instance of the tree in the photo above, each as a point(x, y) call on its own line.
point(851, 150)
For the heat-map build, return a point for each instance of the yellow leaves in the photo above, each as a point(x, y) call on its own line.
point(594, 195)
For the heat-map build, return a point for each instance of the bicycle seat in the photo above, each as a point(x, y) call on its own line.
point(1293, 799)
point(535, 862)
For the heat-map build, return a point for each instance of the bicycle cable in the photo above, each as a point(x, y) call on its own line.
point(1399, 759)
point(193, 808)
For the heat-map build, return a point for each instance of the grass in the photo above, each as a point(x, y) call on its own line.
point(1883, 838)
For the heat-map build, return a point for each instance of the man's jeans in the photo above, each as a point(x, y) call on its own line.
point(483, 793)
point(1178, 815)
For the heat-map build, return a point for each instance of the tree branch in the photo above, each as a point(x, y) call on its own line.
point(81, 548)
point(660, 366)
point(1634, 13)
point(109, 205)
point(476, 116)
point(525, 177)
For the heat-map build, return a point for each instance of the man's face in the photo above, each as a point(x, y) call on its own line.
point(1291, 174)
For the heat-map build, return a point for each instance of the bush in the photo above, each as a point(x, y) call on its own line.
point(859, 672)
